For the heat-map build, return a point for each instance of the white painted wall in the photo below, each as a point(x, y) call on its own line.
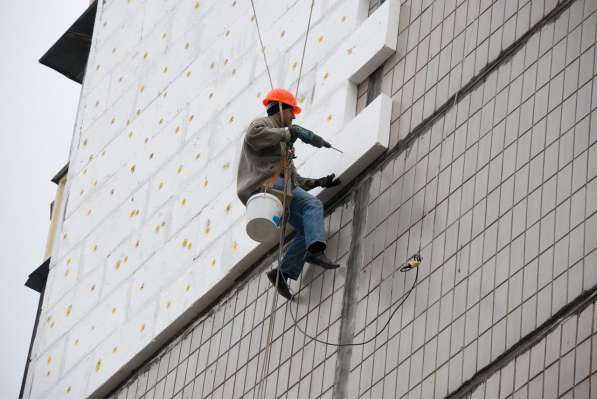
point(152, 224)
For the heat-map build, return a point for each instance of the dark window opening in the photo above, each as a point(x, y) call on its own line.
point(374, 84)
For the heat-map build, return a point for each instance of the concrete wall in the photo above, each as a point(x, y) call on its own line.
point(491, 175)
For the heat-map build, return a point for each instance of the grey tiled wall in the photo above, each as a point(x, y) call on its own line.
point(497, 190)
point(562, 364)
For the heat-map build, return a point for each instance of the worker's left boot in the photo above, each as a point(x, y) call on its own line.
point(278, 280)
point(321, 259)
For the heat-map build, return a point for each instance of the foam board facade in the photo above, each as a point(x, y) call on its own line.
point(153, 230)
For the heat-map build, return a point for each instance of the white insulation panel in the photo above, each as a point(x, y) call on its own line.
point(153, 228)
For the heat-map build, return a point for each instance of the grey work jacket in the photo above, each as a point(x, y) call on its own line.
point(263, 146)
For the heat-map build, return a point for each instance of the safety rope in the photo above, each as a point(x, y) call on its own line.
point(262, 385)
point(262, 46)
point(298, 83)
point(269, 75)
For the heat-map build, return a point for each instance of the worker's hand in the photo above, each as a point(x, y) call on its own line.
point(328, 181)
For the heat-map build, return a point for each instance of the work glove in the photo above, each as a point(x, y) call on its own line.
point(307, 136)
point(328, 181)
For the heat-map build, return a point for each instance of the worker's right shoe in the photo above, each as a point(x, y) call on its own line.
point(321, 259)
point(282, 287)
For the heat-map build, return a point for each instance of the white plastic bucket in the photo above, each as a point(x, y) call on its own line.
point(264, 213)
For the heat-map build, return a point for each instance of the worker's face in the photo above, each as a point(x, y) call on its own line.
point(287, 116)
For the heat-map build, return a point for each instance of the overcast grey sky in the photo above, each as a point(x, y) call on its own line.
point(37, 114)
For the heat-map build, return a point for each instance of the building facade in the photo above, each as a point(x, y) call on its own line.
point(468, 129)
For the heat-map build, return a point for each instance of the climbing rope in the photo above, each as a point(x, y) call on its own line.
point(298, 83)
point(262, 46)
point(272, 315)
point(269, 75)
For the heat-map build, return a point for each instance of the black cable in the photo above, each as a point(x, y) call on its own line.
point(412, 263)
point(404, 268)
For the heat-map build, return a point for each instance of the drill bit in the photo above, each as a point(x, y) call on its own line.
point(334, 148)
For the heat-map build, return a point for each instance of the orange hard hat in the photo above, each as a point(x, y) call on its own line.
point(283, 96)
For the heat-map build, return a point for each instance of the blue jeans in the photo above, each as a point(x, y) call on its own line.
point(306, 217)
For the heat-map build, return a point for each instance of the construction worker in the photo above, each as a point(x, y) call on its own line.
point(266, 147)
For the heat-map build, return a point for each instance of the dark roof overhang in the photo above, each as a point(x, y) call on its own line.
point(61, 173)
point(37, 279)
point(69, 54)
